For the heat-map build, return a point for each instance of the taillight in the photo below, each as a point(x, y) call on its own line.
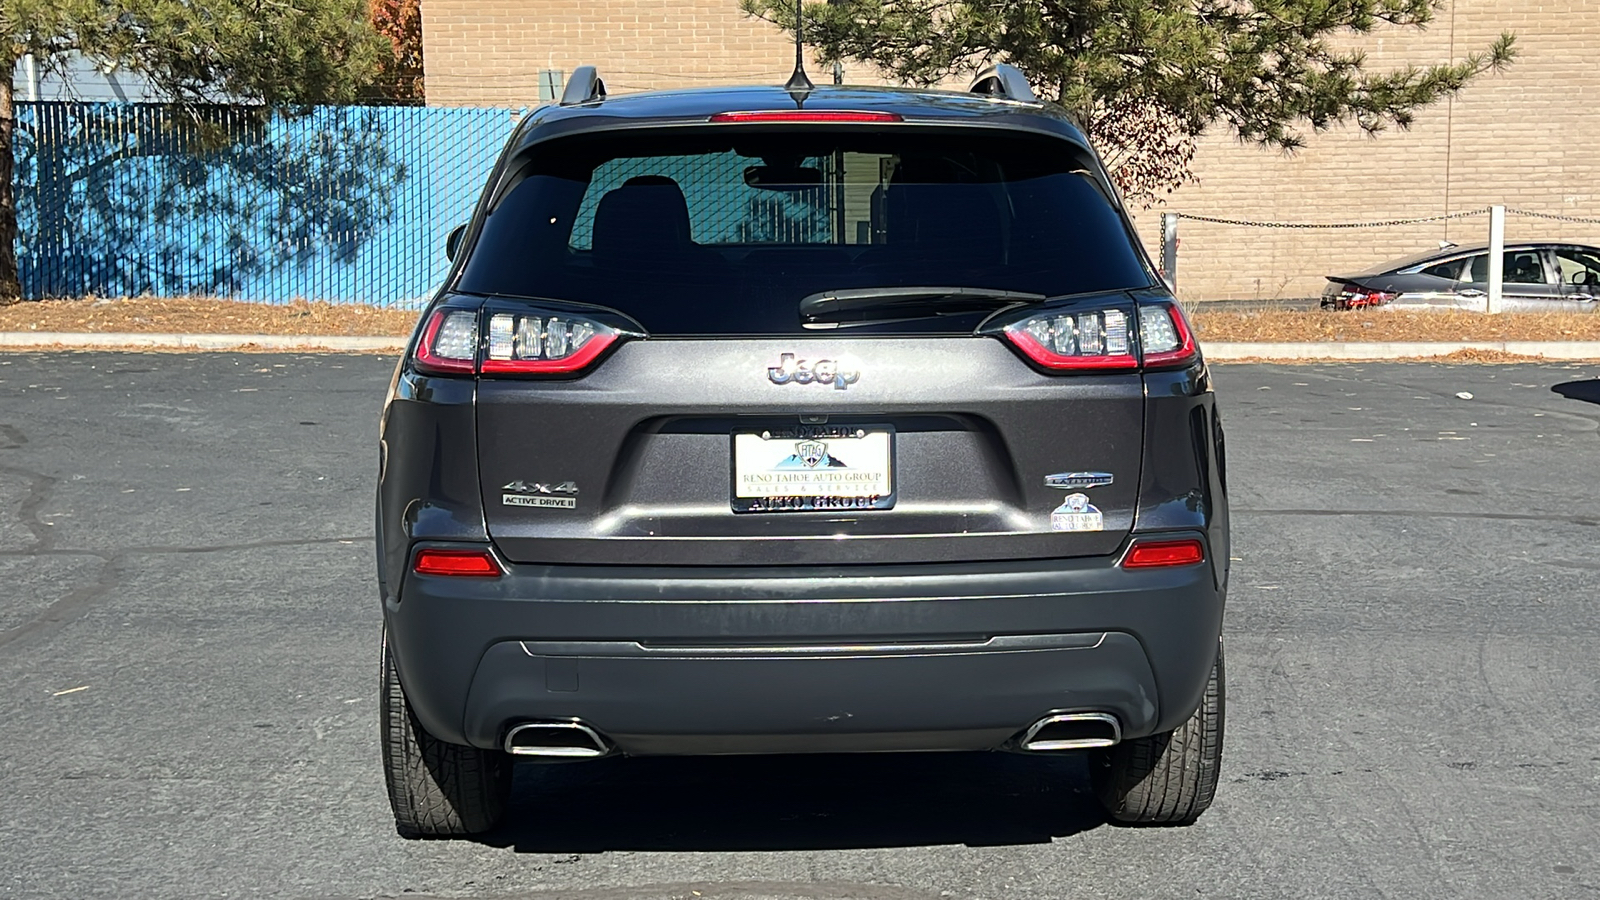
point(542, 342)
point(1095, 339)
point(1102, 339)
point(551, 344)
point(457, 563)
point(1160, 554)
point(449, 344)
point(1164, 335)
point(1354, 296)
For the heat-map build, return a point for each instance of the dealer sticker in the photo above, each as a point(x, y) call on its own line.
point(1076, 513)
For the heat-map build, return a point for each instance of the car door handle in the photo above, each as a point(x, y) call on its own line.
point(1471, 292)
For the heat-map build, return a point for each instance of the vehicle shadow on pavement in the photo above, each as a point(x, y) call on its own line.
point(821, 802)
point(1587, 391)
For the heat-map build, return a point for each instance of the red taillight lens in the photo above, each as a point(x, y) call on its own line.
point(459, 563)
point(1096, 339)
point(1164, 335)
point(544, 342)
point(548, 344)
point(815, 116)
point(1158, 554)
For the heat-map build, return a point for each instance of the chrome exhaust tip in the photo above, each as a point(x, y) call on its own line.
point(568, 740)
point(1072, 731)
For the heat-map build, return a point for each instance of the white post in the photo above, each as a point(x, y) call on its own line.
point(1169, 249)
point(30, 67)
point(1497, 256)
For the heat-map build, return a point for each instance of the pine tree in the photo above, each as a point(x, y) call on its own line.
point(1145, 78)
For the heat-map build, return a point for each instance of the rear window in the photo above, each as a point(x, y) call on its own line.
point(1450, 270)
point(723, 232)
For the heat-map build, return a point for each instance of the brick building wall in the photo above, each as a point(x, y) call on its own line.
point(490, 52)
point(1525, 137)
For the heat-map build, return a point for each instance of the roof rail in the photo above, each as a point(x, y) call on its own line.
point(1004, 81)
point(585, 87)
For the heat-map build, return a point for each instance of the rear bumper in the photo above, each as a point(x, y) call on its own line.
point(805, 659)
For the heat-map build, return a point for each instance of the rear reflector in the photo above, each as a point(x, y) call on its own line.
point(464, 563)
point(1156, 554)
point(813, 116)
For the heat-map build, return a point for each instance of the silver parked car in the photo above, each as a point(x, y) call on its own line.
point(1541, 277)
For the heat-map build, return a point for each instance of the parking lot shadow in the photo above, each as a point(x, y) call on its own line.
point(798, 803)
point(1587, 391)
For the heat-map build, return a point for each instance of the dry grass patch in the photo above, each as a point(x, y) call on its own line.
point(1363, 326)
point(201, 315)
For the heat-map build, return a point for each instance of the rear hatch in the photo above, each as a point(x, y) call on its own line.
point(752, 346)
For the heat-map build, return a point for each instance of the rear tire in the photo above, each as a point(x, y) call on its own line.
point(436, 788)
point(1171, 778)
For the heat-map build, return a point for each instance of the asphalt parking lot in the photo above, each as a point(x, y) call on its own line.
point(189, 637)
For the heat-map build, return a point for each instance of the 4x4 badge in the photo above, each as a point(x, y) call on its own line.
point(539, 494)
point(824, 371)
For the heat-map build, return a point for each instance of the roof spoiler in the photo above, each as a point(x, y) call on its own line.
point(585, 87)
point(1004, 81)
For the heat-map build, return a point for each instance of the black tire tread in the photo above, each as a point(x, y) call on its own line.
point(1171, 778)
point(436, 788)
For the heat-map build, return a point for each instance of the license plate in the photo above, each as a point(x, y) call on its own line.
point(813, 468)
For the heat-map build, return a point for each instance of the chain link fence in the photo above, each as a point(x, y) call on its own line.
point(344, 204)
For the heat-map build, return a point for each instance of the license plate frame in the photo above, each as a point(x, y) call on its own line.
point(866, 486)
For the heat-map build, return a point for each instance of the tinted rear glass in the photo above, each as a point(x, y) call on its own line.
point(725, 231)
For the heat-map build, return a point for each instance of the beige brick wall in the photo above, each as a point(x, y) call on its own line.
point(489, 52)
point(1526, 138)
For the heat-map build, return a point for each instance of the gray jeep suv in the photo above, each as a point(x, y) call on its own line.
point(839, 420)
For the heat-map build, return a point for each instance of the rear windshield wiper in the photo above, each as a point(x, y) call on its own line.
point(876, 306)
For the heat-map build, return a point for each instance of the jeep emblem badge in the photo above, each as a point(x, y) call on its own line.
point(824, 371)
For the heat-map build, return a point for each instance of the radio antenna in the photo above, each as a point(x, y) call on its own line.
point(799, 82)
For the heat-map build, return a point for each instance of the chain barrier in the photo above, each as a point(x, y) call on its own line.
point(1387, 223)
point(1332, 226)
point(1554, 217)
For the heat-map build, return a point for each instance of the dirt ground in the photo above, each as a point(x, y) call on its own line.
point(204, 316)
point(1381, 325)
point(207, 316)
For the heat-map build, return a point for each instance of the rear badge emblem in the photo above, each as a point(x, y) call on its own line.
point(540, 495)
point(1076, 513)
point(810, 455)
point(1078, 481)
point(836, 372)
